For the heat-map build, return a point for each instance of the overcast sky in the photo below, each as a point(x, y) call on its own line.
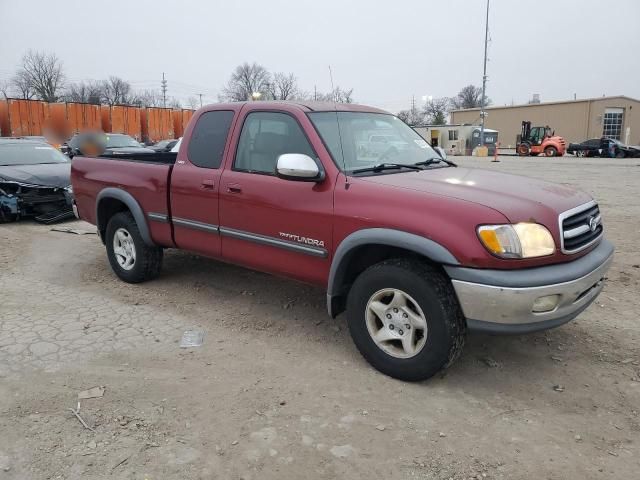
point(386, 51)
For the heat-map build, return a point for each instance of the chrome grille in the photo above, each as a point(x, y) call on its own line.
point(580, 227)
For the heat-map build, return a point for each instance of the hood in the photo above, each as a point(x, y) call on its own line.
point(44, 174)
point(518, 198)
point(126, 150)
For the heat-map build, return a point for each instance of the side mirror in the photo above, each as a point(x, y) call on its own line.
point(298, 166)
point(441, 152)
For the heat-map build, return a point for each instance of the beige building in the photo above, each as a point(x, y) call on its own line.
point(575, 120)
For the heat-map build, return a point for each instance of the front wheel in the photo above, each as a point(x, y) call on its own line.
point(523, 150)
point(581, 153)
point(130, 257)
point(405, 319)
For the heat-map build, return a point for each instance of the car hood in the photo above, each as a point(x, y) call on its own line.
point(518, 198)
point(44, 174)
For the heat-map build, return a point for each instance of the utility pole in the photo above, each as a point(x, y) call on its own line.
point(315, 93)
point(483, 114)
point(164, 91)
point(200, 95)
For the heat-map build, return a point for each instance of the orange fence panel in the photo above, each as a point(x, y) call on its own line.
point(4, 118)
point(157, 124)
point(25, 117)
point(180, 120)
point(121, 119)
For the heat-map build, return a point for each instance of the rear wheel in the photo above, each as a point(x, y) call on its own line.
point(581, 153)
point(130, 257)
point(550, 151)
point(405, 319)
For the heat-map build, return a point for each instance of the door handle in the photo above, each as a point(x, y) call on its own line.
point(234, 188)
point(208, 183)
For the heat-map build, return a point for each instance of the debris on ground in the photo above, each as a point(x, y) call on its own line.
point(75, 231)
point(380, 427)
point(558, 388)
point(77, 414)
point(94, 392)
point(490, 362)
point(192, 338)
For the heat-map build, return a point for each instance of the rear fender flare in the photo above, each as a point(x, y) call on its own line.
point(379, 236)
point(133, 206)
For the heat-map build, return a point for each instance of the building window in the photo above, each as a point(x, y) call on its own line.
point(453, 134)
point(612, 123)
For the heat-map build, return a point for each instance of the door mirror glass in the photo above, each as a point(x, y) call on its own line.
point(298, 166)
point(441, 152)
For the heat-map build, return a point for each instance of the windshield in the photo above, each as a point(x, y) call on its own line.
point(119, 141)
point(29, 153)
point(359, 140)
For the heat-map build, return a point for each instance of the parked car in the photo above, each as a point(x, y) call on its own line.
point(34, 182)
point(416, 251)
point(603, 147)
point(116, 143)
point(176, 147)
point(164, 145)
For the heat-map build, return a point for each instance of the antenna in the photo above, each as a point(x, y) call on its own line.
point(333, 89)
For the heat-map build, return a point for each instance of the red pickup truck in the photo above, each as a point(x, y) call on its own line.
point(415, 249)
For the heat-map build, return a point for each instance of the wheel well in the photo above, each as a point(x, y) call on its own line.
point(361, 258)
point(107, 208)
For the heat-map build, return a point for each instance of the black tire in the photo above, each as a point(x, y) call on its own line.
point(551, 151)
point(523, 150)
point(148, 260)
point(620, 155)
point(433, 292)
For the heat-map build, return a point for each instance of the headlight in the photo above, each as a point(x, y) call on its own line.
point(69, 189)
point(522, 240)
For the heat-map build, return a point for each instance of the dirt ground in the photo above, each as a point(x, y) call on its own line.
point(278, 391)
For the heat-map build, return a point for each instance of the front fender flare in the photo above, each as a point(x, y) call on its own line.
point(133, 206)
point(379, 236)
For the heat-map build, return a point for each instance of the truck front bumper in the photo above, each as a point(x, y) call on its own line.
point(532, 299)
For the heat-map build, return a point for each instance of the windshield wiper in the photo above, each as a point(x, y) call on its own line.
point(386, 166)
point(433, 160)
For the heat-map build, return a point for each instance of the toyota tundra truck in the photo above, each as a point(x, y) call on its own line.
point(415, 250)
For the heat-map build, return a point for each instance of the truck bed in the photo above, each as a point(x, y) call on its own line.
point(145, 177)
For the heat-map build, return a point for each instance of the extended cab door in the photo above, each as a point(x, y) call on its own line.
point(269, 223)
point(195, 183)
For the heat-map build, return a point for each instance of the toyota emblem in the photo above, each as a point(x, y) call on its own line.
point(593, 225)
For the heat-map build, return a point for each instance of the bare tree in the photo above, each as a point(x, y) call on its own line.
point(246, 80)
point(412, 117)
point(21, 86)
point(174, 103)
point(338, 95)
point(146, 98)
point(436, 111)
point(193, 103)
point(469, 97)
point(283, 86)
point(4, 89)
point(83, 92)
point(116, 91)
point(43, 73)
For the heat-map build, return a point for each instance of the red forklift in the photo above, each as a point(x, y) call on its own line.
point(533, 141)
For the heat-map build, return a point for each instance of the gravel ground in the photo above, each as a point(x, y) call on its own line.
point(277, 390)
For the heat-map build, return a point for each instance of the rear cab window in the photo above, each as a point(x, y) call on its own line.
point(209, 137)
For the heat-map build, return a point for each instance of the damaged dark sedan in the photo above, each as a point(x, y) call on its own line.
point(34, 182)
